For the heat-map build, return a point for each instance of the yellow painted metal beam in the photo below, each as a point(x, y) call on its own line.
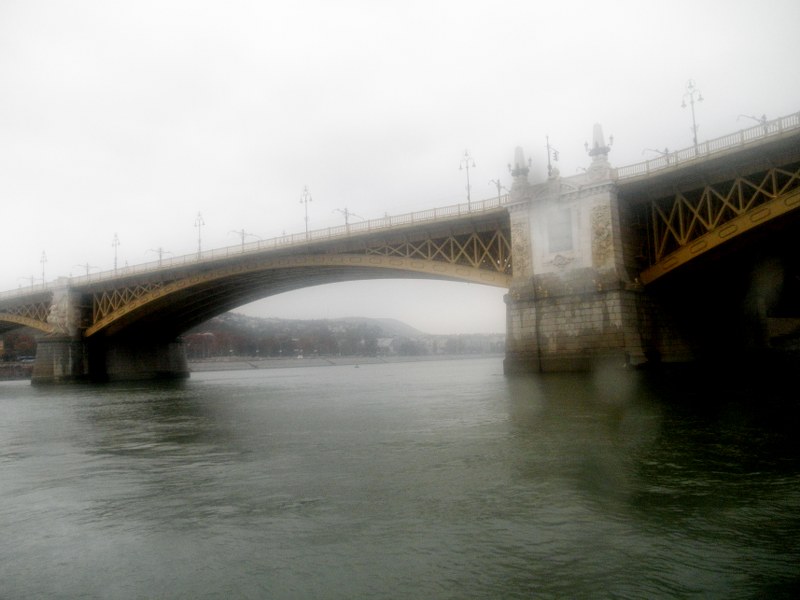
point(759, 215)
point(427, 269)
point(27, 322)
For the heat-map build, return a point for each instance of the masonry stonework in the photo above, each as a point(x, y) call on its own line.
point(572, 303)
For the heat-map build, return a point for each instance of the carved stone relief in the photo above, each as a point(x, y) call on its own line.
point(602, 248)
point(64, 313)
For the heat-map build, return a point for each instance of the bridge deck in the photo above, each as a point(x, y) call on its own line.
point(383, 225)
point(764, 132)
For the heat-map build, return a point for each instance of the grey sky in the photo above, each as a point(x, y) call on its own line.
point(130, 117)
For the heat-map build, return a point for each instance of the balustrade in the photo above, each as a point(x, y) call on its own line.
point(705, 149)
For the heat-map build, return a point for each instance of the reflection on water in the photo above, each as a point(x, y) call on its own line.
point(434, 480)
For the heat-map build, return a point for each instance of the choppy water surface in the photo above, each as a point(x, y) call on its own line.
point(415, 480)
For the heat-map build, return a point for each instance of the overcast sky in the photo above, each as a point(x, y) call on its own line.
point(131, 117)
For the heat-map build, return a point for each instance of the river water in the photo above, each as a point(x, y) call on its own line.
point(440, 479)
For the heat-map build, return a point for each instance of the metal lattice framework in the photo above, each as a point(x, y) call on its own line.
point(217, 285)
point(33, 314)
point(489, 250)
point(692, 222)
point(485, 251)
point(105, 302)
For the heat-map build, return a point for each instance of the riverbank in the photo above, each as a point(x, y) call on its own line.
point(247, 363)
point(12, 371)
point(16, 371)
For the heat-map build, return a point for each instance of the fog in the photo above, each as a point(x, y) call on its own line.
point(128, 119)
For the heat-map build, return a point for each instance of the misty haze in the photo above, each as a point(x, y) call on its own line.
point(399, 300)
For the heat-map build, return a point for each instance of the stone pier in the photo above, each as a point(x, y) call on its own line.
point(65, 356)
point(64, 360)
point(60, 360)
point(573, 302)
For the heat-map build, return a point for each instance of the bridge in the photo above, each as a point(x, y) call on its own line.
point(669, 260)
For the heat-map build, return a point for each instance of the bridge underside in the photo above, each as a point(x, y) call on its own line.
point(127, 325)
point(31, 313)
point(715, 246)
point(135, 331)
point(687, 224)
point(739, 305)
point(170, 309)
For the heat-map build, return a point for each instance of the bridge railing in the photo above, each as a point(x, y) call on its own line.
point(28, 290)
point(296, 239)
point(705, 149)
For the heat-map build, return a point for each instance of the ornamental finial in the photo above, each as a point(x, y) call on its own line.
point(599, 148)
point(520, 167)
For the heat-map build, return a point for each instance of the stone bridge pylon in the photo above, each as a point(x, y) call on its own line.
point(573, 300)
point(688, 258)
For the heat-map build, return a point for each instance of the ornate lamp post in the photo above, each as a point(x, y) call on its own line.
point(199, 222)
point(115, 244)
point(304, 200)
point(551, 152)
point(693, 93)
point(43, 260)
point(465, 164)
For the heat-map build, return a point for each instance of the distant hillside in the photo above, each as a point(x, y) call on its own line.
point(234, 334)
point(242, 335)
point(389, 327)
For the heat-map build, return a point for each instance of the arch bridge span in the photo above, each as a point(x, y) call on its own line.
point(173, 306)
point(473, 248)
point(159, 301)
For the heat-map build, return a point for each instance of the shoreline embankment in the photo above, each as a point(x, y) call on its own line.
point(235, 363)
point(14, 371)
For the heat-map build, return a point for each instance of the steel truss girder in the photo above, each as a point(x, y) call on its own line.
point(31, 314)
point(490, 250)
point(486, 250)
point(235, 279)
point(105, 302)
point(35, 311)
point(720, 210)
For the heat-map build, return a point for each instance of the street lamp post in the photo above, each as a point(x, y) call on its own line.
point(692, 92)
point(550, 152)
point(347, 214)
point(304, 200)
point(762, 120)
point(243, 234)
point(465, 164)
point(43, 260)
point(86, 266)
point(499, 186)
point(115, 244)
point(664, 153)
point(199, 222)
point(161, 252)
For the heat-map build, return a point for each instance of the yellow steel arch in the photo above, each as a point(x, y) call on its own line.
point(763, 213)
point(27, 322)
point(428, 269)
